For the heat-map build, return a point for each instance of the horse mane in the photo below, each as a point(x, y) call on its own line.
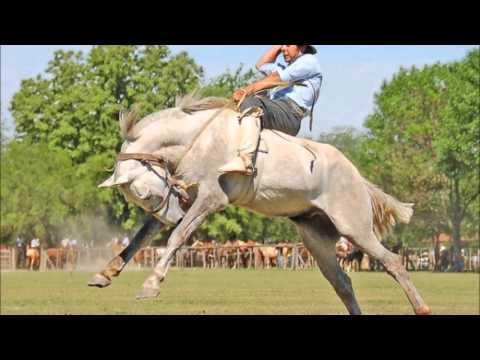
point(127, 121)
point(188, 104)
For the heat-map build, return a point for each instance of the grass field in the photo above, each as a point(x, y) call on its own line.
point(198, 291)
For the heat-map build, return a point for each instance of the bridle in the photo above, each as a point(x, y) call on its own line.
point(173, 184)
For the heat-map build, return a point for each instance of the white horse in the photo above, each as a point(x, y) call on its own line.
point(313, 184)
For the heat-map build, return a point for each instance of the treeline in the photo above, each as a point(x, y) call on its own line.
point(421, 144)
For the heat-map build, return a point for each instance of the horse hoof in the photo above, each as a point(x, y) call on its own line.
point(147, 293)
point(423, 310)
point(100, 281)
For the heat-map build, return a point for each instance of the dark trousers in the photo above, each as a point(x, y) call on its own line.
point(278, 114)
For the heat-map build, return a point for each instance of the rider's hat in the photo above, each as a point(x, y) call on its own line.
point(310, 50)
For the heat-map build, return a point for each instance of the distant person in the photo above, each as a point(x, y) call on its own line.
point(21, 252)
point(19, 241)
point(458, 263)
point(35, 243)
point(65, 242)
point(125, 241)
point(444, 259)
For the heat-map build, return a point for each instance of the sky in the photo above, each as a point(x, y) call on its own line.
point(352, 74)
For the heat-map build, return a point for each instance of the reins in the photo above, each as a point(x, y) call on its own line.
point(172, 181)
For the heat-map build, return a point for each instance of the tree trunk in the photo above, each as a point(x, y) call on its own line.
point(436, 244)
point(456, 218)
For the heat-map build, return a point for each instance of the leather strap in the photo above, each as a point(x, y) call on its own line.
point(141, 157)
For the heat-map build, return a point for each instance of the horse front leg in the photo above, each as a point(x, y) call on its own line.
point(192, 220)
point(116, 265)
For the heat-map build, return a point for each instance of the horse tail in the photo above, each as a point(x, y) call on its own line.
point(387, 211)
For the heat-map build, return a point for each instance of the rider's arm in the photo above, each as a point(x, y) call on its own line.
point(267, 82)
point(269, 57)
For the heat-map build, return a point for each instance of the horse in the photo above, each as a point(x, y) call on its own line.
point(71, 257)
point(56, 257)
point(353, 260)
point(205, 249)
point(62, 257)
point(269, 255)
point(232, 252)
point(115, 246)
point(168, 165)
point(251, 253)
point(286, 250)
point(32, 258)
point(304, 255)
point(143, 257)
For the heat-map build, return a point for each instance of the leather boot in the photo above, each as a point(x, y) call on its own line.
point(249, 133)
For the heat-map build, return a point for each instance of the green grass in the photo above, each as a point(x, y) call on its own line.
point(198, 291)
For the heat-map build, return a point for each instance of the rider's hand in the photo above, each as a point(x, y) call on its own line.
point(239, 94)
point(277, 48)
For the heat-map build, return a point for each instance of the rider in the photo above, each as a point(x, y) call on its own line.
point(125, 240)
point(35, 243)
point(285, 108)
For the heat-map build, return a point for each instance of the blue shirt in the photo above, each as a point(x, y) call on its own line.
point(306, 68)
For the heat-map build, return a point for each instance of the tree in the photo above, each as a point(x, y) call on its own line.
point(348, 140)
point(74, 105)
point(40, 189)
point(225, 84)
point(423, 142)
point(457, 145)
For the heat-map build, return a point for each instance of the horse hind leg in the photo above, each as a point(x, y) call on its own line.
point(394, 267)
point(320, 238)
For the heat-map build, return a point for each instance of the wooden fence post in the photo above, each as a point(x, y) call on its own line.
point(13, 258)
point(294, 258)
point(79, 254)
point(43, 260)
point(470, 267)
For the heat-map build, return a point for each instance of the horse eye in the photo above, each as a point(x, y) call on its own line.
point(146, 196)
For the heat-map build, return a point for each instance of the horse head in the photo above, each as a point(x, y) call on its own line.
point(142, 176)
point(147, 185)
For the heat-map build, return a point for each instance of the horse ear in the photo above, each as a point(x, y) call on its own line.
point(112, 181)
point(109, 182)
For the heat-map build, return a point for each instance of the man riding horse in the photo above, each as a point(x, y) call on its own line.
point(321, 191)
point(285, 108)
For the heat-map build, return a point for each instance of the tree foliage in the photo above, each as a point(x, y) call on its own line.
point(40, 188)
point(421, 145)
point(424, 142)
point(74, 106)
